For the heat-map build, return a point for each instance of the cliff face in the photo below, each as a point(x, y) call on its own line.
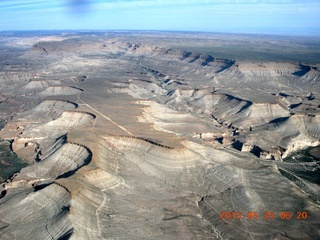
point(132, 140)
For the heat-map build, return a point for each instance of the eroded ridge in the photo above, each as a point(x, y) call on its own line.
point(29, 214)
point(47, 110)
point(151, 173)
point(60, 90)
point(64, 161)
point(236, 121)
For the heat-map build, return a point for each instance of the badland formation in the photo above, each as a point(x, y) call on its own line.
point(150, 135)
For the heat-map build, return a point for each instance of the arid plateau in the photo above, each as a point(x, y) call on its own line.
point(159, 135)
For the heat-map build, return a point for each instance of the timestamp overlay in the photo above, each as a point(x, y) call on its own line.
point(247, 221)
point(252, 218)
point(268, 215)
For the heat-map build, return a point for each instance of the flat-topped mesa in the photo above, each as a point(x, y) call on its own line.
point(47, 110)
point(238, 116)
point(67, 120)
point(60, 90)
point(39, 85)
point(33, 150)
point(15, 79)
point(63, 161)
point(36, 136)
point(285, 135)
point(271, 69)
point(226, 108)
point(258, 114)
point(153, 155)
point(294, 75)
point(68, 46)
point(216, 65)
point(71, 118)
point(219, 64)
point(238, 113)
point(170, 120)
point(206, 101)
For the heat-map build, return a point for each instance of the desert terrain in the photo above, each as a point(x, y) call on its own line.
point(159, 135)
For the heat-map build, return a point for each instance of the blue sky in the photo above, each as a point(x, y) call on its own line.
point(265, 16)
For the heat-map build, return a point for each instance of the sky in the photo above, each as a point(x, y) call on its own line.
point(295, 17)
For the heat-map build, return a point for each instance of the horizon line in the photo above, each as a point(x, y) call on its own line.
point(313, 34)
